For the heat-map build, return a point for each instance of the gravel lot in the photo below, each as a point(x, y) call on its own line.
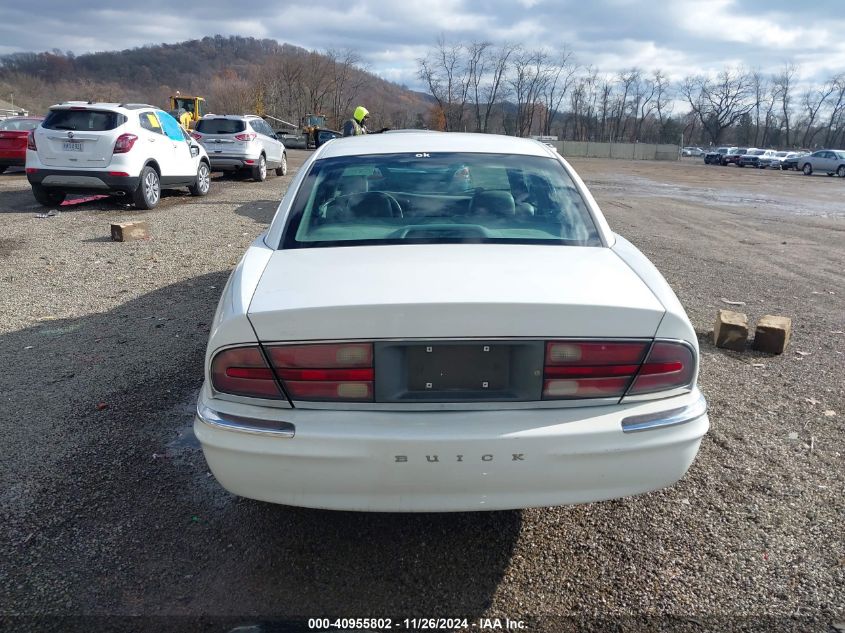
point(108, 509)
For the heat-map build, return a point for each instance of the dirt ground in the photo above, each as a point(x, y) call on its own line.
point(108, 509)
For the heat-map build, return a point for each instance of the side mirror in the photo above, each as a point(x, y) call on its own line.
point(195, 150)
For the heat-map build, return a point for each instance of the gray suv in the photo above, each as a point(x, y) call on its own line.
point(239, 142)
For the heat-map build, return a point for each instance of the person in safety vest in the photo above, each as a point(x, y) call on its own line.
point(357, 125)
point(186, 117)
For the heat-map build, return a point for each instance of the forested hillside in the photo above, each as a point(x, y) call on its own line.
point(235, 74)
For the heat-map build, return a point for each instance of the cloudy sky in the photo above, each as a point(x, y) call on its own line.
point(680, 36)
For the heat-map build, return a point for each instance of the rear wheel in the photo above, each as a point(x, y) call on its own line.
point(282, 169)
point(203, 182)
point(807, 169)
point(259, 172)
point(48, 197)
point(841, 171)
point(148, 193)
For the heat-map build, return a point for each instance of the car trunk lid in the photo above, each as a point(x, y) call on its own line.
point(451, 291)
point(78, 137)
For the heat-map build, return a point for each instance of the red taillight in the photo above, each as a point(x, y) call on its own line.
point(118, 173)
point(124, 143)
point(668, 366)
point(31, 170)
point(249, 136)
point(338, 372)
point(30, 141)
point(242, 371)
point(590, 369)
point(196, 135)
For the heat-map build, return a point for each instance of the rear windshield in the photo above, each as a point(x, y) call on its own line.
point(438, 198)
point(20, 125)
point(220, 126)
point(90, 120)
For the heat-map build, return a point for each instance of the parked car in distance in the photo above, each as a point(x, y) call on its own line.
point(752, 157)
point(791, 161)
point(378, 349)
point(126, 149)
point(242, 142)
point(828, 161)
point(714, 156)
point(732, 155)
point(692, 151)
point(773, 160)
point(13, 134)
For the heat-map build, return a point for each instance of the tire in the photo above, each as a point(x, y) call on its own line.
point(841, 171)
point(203, 182)
point(807, 169)
point(282, 170)
point(259, 172)
point(48, 197)
point(148, 193)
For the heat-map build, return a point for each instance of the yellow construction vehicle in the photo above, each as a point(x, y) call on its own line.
point(310, 125)
point(195, 105)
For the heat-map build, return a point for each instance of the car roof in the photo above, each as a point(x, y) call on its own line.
point(101, 105)
point(230, 116)
point(425, 141)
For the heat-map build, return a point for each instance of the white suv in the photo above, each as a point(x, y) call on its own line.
point(130, 149)
point(242, 142)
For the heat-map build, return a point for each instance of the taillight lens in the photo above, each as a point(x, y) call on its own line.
point(249, 136)
point(338, 372)
point(30, 141)
point(590, 369)
point(669, 365)
point(196, 135)
point(242, 371)
point(124, 143)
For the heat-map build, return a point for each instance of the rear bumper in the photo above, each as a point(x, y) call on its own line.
point(82, 180)
point(12, 159)
point(228, 162)
point(427, 461)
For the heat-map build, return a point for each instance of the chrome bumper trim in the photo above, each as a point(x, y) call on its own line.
point(253, 426)
point(673, 417)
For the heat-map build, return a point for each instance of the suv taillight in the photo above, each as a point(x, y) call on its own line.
point(590, 369)
point(124, 143)
point(30, 141)
point(249, 136)
point(242, 371)
point(338, 372)
point(196, 135)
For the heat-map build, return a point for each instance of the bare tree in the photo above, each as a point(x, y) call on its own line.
point(446, 74)
point(783, 84)
point(813, 100)
point(837, 111)
point(718, 103)
point(346, 84)
point(530, 75)
point(559, 81)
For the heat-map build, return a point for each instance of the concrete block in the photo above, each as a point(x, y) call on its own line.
point(772, 334)
point(731, 330)
point(129, 231)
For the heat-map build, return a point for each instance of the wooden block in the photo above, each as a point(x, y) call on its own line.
point(731, 330)
point(772, 334)
point(129, 231)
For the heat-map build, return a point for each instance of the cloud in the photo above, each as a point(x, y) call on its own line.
point(682, 37)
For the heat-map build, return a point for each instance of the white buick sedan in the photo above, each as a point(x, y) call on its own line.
point(445, 322)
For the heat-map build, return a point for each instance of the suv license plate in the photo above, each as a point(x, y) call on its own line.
point(71, 147)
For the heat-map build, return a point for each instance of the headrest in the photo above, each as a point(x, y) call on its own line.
point(492, 203)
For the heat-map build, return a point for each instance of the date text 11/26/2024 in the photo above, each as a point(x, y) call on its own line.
point(417, 624)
